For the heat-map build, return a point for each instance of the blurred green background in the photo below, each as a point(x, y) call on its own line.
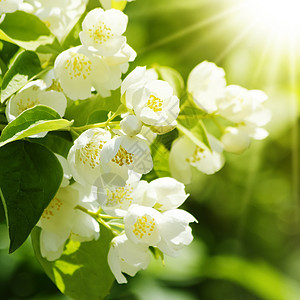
point(247, 242)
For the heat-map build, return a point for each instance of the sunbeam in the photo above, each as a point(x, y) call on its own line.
point(261, 61)
point(192, 28)
point(235, 42)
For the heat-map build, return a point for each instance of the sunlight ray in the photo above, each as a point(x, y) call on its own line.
point(213, 34)
point(262, 60)
point(235, 42)
point(272, 73)
point(162, 8)
point(191, 29)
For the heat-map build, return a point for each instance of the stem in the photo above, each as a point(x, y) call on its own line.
point(112, 117)
point(97, 217)
point(108, 217)
point(99, 211)
point(74, 132)
point(118, 225)
point(97, 125)
point(92, 214)
point(115, 233)
point(220, 127)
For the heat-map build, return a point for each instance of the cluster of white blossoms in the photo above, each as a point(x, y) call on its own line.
point(243, 109)
point(147, 214)
point(59, 15)
point(101, 59)
point(113, 161)
point(108, 161)
point(151, 218)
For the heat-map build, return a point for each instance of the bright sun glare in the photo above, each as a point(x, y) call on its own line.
point(278, 17)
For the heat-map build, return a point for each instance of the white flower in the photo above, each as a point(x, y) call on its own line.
point(84, 156)
point(153, 101)
point(115, 200)
point(125, 153)
point(240, 105)
point(60, 221)
point(127, 257)
point(32, 94)
point(59, 15)
point(103, 30)
point(184, 154)
point(165, 193)
point(148, 135)
point(175, 231)
point(206, 84)
point(85, 228)
point(169, 231)
point(54, 19)
point(246, 108)
point(254, 132)
point(131, 125)
point(235, 140)
point(75, 71)
point(78, 70)
point(134, 81)
point(142, 225)
point(114, 66)
point(27, 7)
point(9, 6)
point(51, 82)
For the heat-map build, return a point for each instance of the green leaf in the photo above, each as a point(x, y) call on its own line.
point(81, 110)
point(197, 135)
point(200, 133)
point(172, 77)
point(3, 119)
point(72, 39)
point(82, 272)
point(92, 4)
point(192, 111)
point(8, 50)
point(30, 176)
point(58, 142)
point(190, 123)
point(190, 114)
point(160, 156)
point(24, 68)
point(33, 121)
point(98, 116)
point(29, 32)
point(167, 138)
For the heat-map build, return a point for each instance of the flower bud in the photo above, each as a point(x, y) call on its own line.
point(235, 140)
point(131, 125)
